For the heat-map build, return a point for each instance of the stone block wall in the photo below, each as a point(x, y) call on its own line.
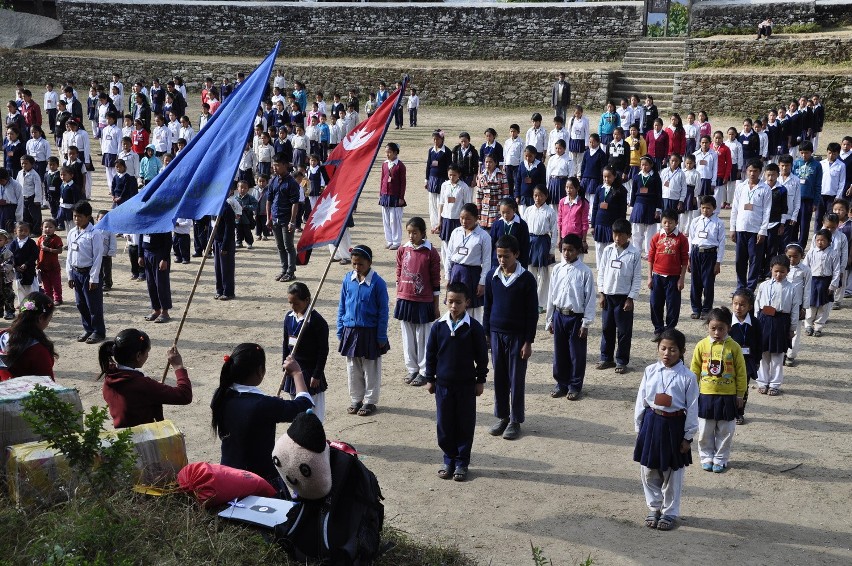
point(704, 52)
point(720, 14)
point(581, 31)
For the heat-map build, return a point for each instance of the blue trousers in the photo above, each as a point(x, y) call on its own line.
point(456, 405)
point(201, 233)
point(823, 207)
point(510, 375)
point(775, 244)
point(90, 303)
point(159, 284)
point(749, 260)
point(703, 279)
point(286, 247)
point(806, 212)
point(616, 330)
point(224, 267)
point(180, 246)
point(664, 293)
point(569, 351)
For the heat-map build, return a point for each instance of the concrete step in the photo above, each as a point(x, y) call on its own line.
point(651, 69)
point(656, 49)
point(661, 63)
point(661, 41)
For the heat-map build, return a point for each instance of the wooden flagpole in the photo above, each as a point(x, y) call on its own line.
point(207, 249)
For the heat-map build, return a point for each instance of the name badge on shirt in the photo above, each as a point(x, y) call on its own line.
point(527, 180)
point(619, 150)
point(146, 239)
point(802, 181)
point(745, 142)
point(643, 191)
point(746, 351)
point(75, 246)
point(615, 264)
point(462, 251)
point(434, 163)
point(666, 184)
point(604, 205)
point(748, 206)
point(451, 200)
point(291, 341)
point(663, 400)
point(703, 162)
point(768, 310)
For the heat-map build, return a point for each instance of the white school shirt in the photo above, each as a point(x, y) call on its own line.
point(117, 84)
point(578, 129)
point(625, 116)
point(11, 193)
point(512, 150)
point(558, 165)
point(103, 109)
point(186, 133)
point(692, 132)
point(674, 183)
point(783, 297)
point(794, 200)
point(39, 148)
point(453, 198)
point(265, 153)
point(824, 263)
point(621, 271)
point(51, 100)
point(755, 220)
point(81, 140)
point(736, 152)
point(556, 135)
point(248, 161)
point(174, 128)
point(840, 245)
point(117, 100)
point(639, 112)
point(183, 226)
point(67, 141)
point(692, 177)
point(800, 277)
point(763, 143)
point(85, 249)
point(110, 242)
point(572, 286)
point(677, 382)
point(279, 82)
point(833, 175)
point(537, 137)
point(413, 101)
point(478, 245)
point(111, 140)
point(312, 133)
point(707, 164)
point(334, 133)
point(30, 185)
point(161, 137)
point(131, 161)
point(300, 142)
point(542, 221)
point(708, 233)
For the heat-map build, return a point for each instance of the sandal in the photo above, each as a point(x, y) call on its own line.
point(367, 410)
point(353, 408)
point(620, 369)
point(774, 392)
point(444, 472)
point(762, 390)
point(460, 474)
point(666, 523)
point(153, 316)
point(604, 365)
point(652, 519)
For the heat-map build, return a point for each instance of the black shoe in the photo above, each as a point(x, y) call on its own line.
point(83, 337)
point(656, 337)
point(94, 338)
point(197, 255)
point(558, 392)
point(498, 427)
point(418, 381)
point(513, 431)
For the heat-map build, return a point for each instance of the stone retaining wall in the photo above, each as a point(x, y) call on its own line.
point(830, 50)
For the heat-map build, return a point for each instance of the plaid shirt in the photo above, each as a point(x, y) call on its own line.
point(489, 190)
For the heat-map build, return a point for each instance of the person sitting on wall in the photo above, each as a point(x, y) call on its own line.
point(764, 28)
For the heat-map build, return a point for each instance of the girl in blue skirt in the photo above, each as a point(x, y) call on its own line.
point(775, 302)
point(609, 204)
point(438, 161)
point(544, 237)
point(469, 250)
point(646, 198)
point(666, 418)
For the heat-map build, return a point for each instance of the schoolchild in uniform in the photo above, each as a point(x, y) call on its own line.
point(668, 260)
point(466, 158)
point(707, 249)
point(531, 172)
point(392, 196)
point(248, 207)
point(777, 215)
point(39, 148)
point(469, 250)
point(707, 165)
point(578, 139)
point(413, 106)
point(510, 318)
point(737, 168)
point(638, 147)
point(794, 198)
point(570, 312)
point(83, 269)
point(646, 198)
point(513, 149)
point(776, 302)
point(511, 223)
point(543, 227)
point(591, 168)
point(607, 124)
point(52, 184)
point(840, 245)
point(537, 137)
point(490, 147)
point(748, 334)
point(749, 224)
point(456, 367)
point(721, 369)
point(704, 127)
point(723, 166)
point(312, 353)
point(650, 112)
point(557, 133)
point(49, 272)
point(438, 162)
point(110, 249)
point(491, 188)
point(558, 171)
point(362, 329)
point(619, 280)
point(750, 142)
point(573, 214)
point(625, 115)
point(156, 251)
point(124, 186)
point(809, 171)
point(677, 136)
point(658, 144)
point(833, 179)
point(691, 130)
point(639, 115)
point(418, 289)
point(455, 193)
point(609, 204)
point(69, 194)
point(666, 420)
point(763, 140)
point(24, 259)
point(181, 239)
point(674, 186)
point(800, 277)
point(841, 209)
point(618, 153)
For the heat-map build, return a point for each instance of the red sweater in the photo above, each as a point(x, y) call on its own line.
point(35, 360)
point(657, 147)
point(393, 180)
point(49, 261)
point(724, 162)
point(418, 273)
point(668, 254)
point(677, 142)
point(135, 399)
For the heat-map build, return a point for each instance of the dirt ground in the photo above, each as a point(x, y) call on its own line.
point(569, 484)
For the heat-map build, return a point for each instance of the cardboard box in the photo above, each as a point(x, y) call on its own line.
point(13, 428)
point(39, 475)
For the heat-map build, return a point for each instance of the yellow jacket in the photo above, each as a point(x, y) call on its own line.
point(732, 380)
point(636, 153)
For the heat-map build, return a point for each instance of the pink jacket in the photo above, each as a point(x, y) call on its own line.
point(573, 219)
point(418, 273)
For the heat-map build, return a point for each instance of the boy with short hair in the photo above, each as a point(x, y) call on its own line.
point(706, 250)
point(668, 260)
point(513, 150)
point(791, 184)
point(83, 269)
point(130, 157)
point(777, 215)
point(7, 277)
point(456, 366)
point(750, 224)
point(833, 177)
point(809, 172)
point(110, 248)
point(841, 209)
point(619, 281)
point(510, 319)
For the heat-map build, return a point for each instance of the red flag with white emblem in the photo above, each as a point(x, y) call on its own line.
point(348, 167)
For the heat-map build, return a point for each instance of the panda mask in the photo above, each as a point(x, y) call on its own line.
point(302, 458)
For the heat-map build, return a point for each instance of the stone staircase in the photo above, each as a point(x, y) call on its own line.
point(649, 67)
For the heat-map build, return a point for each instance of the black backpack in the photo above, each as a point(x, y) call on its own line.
point(344, 528)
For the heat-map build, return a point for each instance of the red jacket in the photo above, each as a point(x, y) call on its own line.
point(393, 180)
point(139, 141)
point(135, 399)
point(657, 147)
point(668, 255)
point(677, 142)
point(418, 273)
point(724, 162)
point(31, 113)
point(35, 360)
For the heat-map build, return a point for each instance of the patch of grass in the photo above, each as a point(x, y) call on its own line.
point(810, 27)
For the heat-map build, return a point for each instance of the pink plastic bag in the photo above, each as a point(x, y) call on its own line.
point(214, 484)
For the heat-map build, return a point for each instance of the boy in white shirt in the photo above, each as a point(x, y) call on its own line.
point(513, 149)
point(51, 105)
point(413, 105)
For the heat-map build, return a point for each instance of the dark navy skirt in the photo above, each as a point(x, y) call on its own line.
point(264, 168)
point(819, 291)
point(690, 146)
point(671, 203)
point(65, 215)
point(735, 172)
point(643, 213)
point(691, 201)
point(658, 443)
point(706, 188)
point(359, 342)
point(389, 201)
point(576, 146)
point(469, 275)
point(415, 312)
point(717, 407)
point(606, 139)
point(109, 159)
point(632, 172)
point(589, 186)
point(603, 234)
point(447, 227)
point(776, 331)
point(300, 157)
point(555, 189)
point(540, 250)
point(433, 184)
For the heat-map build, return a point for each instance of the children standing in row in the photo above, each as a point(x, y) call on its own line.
point(776, 302)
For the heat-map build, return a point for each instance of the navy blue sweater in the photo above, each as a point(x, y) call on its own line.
point(752, 339)
point(512, 309)
point(457, 359)
point(520, 230)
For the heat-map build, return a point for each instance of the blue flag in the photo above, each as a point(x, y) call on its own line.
point(197, 181)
